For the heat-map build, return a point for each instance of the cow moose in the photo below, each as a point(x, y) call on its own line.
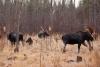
point(13, 36)
point(29, 40)
point(43, 34)
point(77, 38)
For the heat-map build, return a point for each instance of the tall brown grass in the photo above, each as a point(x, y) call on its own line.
point(51, 55)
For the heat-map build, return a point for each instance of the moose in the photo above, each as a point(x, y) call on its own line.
point(77, 38)
point(13, 36)
point(29, 41)
point(43, 34)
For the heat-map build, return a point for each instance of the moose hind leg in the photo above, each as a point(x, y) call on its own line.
point(65, 43)
point(64, 49)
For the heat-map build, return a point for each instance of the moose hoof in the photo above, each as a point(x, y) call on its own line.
point(16, 50)
point(91, 48)
point(64, 51)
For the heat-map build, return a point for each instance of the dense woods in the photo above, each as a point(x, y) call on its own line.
point(32, 15)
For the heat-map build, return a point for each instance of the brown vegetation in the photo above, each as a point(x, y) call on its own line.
point(51, 55)
point(28, 16)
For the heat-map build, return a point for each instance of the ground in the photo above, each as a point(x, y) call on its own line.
point(48, 53)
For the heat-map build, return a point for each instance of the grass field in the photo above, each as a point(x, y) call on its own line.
point(47, 53)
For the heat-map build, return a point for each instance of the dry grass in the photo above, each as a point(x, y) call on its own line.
point(51, 55)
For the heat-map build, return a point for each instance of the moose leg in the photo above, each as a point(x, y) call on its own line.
point(79, 45)
point(16, 49)
point(64, 49)
point(11, 47)
point(22, 43)
point(90, 47)
point(12, 44)
point(84, 44)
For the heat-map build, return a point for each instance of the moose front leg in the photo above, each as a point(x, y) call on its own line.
point(85, 44)
point(90, 47)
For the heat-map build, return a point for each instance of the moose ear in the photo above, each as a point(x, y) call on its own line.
point(95, 35)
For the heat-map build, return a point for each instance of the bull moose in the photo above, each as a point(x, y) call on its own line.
point(43, 34)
